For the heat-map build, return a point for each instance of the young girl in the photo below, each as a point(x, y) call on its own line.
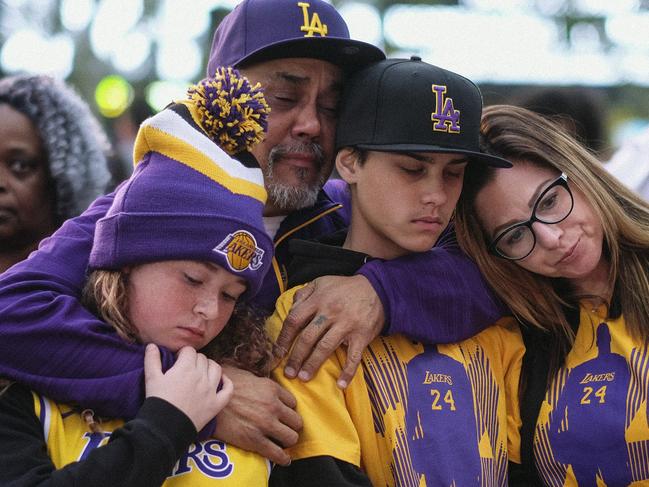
point(181, 244)
point(567, 247)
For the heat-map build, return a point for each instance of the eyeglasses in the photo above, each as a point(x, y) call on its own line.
point(553, 205)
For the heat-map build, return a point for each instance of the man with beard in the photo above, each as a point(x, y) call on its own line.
point(300, 53)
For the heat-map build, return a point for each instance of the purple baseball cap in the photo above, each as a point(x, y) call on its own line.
point(261, 30)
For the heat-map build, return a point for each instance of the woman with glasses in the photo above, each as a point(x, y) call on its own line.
point(566, 245)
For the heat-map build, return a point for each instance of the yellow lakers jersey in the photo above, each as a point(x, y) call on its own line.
point(592, 427)
point(208, 463)
point(415, 415)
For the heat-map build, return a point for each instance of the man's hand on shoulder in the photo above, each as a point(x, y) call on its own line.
point(260, 417)
point(328, 312)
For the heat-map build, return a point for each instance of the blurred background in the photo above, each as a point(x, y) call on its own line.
point(129, 58)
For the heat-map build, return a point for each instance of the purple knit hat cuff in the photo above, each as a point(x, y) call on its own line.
point(188, 197)
point(237, 246)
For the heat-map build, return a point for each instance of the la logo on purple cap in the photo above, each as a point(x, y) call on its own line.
point(241, 251)
point(313, 25)
point(445, 117)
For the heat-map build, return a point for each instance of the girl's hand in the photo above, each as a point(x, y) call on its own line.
point(190, 385)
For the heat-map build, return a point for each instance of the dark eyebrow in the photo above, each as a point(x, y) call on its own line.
point(290, 77)
point(530, 204)
point(21, 149)
point(459, 160)
point(538, 191)
point(297, 80)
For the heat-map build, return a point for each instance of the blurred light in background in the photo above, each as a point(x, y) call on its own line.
point(497, 46)
point(160, 93)
point(119, 49)
point(76, 14)
point(630, 31)
point(29, 50)
point(605, 7)
point(364, 22)
point(113, 21)
point(601, 42)
point(179, 60)
point(131, 51)
point(113, 96)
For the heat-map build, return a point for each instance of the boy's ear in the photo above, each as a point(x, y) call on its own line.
point(347, 165)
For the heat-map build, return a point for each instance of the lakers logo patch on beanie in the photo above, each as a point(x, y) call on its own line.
point(241, 251)
point(196, 193)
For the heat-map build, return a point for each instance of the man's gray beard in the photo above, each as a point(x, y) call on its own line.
point(289, 198)
point(285, 196)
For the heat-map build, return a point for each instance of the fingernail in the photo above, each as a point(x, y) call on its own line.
point(342, 384)
point(289, 372)
point(304, 375)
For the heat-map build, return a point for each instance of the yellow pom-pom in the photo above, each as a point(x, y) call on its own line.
point(233, 113)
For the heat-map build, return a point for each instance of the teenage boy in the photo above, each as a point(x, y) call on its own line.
point(417, 414)
point(300, 53)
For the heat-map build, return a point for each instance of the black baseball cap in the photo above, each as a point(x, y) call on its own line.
point(261, 30)
point(407, 105)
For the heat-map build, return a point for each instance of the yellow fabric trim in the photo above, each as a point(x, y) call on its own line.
point(328, 427)
point(193, 111)
point(308, 222)
point(278, 276)
point(37, 404)
point(150, 138)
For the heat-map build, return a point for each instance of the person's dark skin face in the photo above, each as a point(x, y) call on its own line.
point(26, 201)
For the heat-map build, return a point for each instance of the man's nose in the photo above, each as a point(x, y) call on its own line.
point(307, 122)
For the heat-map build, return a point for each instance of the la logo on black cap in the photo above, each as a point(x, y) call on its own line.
point(445, 117)
point(313, 25)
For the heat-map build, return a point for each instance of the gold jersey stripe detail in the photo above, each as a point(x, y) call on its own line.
point(308, 222)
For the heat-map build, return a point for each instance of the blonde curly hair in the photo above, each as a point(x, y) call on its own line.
point(243, 342)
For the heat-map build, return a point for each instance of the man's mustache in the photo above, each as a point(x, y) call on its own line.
point(309, 148)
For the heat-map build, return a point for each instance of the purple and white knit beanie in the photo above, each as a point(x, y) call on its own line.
point(196, 193)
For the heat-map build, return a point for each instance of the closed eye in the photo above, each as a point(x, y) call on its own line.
point(229, 297)
point(548, 202)
point(455, 174)
point(514, 236)
point(412, 171)
point(192, 280)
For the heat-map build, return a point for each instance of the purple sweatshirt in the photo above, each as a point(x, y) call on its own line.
point(52, 344)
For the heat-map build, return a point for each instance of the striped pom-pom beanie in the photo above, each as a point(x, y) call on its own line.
point(196, 193)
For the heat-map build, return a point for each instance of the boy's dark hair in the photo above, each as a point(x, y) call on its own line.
point(360, 154)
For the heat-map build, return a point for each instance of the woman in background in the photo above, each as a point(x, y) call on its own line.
point(52, 161)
